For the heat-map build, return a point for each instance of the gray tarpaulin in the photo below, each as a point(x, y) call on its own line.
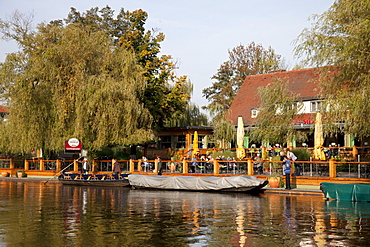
point(194, 183)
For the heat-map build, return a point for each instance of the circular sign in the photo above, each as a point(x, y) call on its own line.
point(73, 142)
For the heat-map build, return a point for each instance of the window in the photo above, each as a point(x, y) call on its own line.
point(164, 142)
point(316, 106)
point(254, 113)
point(180, 141)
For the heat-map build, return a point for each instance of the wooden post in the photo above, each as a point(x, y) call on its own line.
point(58, 167)
point(139, 168)
point(185, 168)
point(94, 167)
point(26, 165)
point(42, 165)
point(250, 167)
point(132, 166)
point(332, 169)
point(75, 166)
point(11, 163)
point(216, 167)
point(156, 165)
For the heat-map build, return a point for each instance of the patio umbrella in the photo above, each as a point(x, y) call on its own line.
point(195, 143)
point(319, 138)
point(240, 139)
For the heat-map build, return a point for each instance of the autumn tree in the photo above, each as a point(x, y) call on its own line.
point(243, 61)
point(191, 115)
point(70, 81)
point(162, 96)
point(339, 40)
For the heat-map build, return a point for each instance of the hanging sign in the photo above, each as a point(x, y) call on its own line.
point(73, 144)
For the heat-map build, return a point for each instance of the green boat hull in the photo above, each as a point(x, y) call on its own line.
point(346, 192)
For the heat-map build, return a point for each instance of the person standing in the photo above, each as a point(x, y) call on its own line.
point(116, 169)
point(85, 166)
point(286, 172)
point(294, 158)
point(160, 168)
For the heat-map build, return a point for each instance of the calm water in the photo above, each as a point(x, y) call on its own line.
point(34, 214)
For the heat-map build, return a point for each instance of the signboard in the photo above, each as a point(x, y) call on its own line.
point(73, 144)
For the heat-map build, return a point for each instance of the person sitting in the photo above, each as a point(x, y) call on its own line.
point(145, 164)
point(258, 165)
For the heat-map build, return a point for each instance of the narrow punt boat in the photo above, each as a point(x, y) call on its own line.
point(191, 183)
point(346, 191)
point(109, 180)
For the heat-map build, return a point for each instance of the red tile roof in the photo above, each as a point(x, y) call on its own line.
point(303, 82)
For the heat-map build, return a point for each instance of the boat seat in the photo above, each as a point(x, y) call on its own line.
point(79, 177)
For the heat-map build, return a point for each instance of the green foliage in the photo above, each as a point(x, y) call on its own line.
point(225, 153)
point(243, 61)
point(224, 130)
point(96, 76)
point(116, 152)
point(191, 115)
point(302, 154)
point(278, 107)
point(340, 38)
point(71, 81)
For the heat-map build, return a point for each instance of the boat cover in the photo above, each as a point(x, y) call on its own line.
point(194, 183)
point(346, 192)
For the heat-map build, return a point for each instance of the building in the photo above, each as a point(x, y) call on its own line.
point(305, 83)
point(178, 141)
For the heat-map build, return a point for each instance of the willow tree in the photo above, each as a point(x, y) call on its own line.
point(339, 40)
point(278, 108)
point(191, 115)
point(162, 96)
point(70, 81)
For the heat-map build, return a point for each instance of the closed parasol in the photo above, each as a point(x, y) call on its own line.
point(319, 138)
point(240, 153)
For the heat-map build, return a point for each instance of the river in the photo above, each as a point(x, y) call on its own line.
point(38, 214)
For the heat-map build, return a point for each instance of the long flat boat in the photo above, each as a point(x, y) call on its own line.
point(346, 191)
point(192, 183)
point(107, 180)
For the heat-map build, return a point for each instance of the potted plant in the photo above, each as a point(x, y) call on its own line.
point(5, 174)
point(275, 180)
point(19, 173)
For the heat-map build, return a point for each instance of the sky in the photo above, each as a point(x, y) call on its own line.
point(199, 33)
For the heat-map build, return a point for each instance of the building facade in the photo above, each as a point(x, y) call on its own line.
point(305, 84)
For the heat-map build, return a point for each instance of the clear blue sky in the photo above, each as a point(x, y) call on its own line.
point(199, 33)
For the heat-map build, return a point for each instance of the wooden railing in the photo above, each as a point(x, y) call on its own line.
point(329, 169)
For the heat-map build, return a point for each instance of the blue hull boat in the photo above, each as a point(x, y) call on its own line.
point(106, 180)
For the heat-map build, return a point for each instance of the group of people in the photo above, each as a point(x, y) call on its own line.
point(147, 166)
point(202, 162)
point(86, 167)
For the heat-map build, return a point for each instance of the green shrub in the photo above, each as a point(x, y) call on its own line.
point(302, 154)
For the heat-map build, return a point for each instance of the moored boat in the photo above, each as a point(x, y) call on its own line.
point(346, 191)
point(109, 180)
point(192, 183)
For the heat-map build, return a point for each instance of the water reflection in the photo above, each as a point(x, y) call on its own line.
point(54, 215)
